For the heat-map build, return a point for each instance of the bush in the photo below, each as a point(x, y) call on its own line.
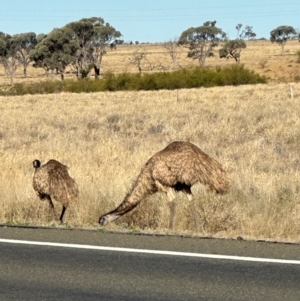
point(184, 78)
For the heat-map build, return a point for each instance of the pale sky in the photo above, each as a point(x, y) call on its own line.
point(149, 20)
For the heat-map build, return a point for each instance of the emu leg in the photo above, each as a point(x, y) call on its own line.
point(51, 206)
point(62, 213)
point(193, 210)
point(172, 206)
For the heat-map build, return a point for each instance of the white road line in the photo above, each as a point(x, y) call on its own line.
point(145, 251)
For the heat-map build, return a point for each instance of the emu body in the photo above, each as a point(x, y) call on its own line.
point(176, 168)
point(52, 181)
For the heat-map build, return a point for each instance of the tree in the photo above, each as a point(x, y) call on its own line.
point(82, 32)
point(232, 49)
point(94, 38)
point(136, 59)
point(81, 44)
point(281, 34)
point(40, 55)
point(104, 35)
point(23, 43)
point(202, 40)
point(247, 33)
point(172, 48)
point(7, 56)
point(55, 51)
point(238, 28)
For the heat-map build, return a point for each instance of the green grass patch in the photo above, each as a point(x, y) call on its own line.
point(185, 78)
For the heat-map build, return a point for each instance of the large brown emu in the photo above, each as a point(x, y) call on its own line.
point(176, 168)
point(52, 181)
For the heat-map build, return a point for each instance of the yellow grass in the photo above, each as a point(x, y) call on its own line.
point(105, 138)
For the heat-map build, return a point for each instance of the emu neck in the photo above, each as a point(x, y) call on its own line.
point(143, 186)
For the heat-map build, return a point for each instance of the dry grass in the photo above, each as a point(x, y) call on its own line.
point(105, 138)
point(260, 56)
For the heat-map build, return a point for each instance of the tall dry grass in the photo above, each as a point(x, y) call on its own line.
point(105, 138)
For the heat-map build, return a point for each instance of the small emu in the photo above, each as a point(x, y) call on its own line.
point(52, 181)
point(176, 168)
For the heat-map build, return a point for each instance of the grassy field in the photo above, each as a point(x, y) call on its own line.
point(105, 138)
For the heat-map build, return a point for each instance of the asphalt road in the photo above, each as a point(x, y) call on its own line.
point(34, 272)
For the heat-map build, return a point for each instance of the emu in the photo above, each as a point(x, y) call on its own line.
point(52, 181)
point(176, 168)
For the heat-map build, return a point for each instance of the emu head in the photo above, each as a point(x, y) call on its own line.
point(36, 163)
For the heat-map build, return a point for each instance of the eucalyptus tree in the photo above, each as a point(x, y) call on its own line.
point(281, 35)
point(202, 40)
point(104, 36)
point(246, 33)
point(55, 51)
point(23, 43)
point(40, 55)
point(232, 49)
point(82, 32)
point(7, 56)
point(94, 38)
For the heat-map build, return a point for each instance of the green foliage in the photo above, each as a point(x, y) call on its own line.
point(281, 34)
point(93, 37)
point(81, 44)
point(8, 55)
point(55, 51)
point(184, 78)
point(4, 45)
point(23, 43)
point(202, 40)
point(232, 49)
point(247, 33)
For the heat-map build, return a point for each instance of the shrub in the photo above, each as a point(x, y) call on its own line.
point(184, 78)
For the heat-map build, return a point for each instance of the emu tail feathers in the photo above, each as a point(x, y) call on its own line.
point(211, 173)
point(65, 189)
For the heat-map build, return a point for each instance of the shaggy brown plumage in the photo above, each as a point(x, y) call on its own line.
point(52, 181)
point(176, 168)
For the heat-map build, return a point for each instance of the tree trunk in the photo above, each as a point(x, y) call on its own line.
point(202, 60)
point(77, 72)
point(12, 79)
point(282, 48)
point(97, 71)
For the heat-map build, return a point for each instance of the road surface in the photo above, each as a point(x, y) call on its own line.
point(59, 264)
